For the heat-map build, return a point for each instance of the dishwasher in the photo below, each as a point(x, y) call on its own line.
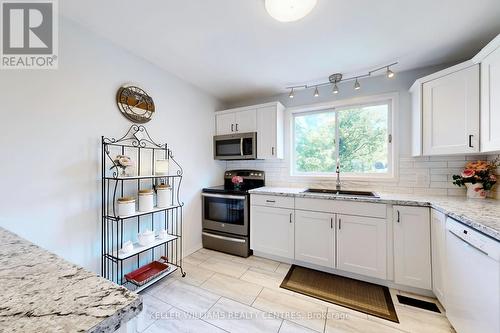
point(473, 280)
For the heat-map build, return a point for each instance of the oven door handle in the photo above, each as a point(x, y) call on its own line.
point(224, 196)
point(241, 146)
point(231, 239)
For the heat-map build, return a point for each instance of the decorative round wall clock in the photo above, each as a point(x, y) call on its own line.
point(135, 104)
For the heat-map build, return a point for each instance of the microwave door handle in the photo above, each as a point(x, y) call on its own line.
point(241, 146)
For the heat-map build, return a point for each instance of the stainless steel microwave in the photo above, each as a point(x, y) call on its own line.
point(241, 146)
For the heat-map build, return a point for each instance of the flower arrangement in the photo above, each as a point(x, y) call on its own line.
point(123, 162)
point(237, 181)
point(478, 177)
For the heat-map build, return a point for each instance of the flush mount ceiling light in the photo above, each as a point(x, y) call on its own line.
point(289, 10)
point(336, 78)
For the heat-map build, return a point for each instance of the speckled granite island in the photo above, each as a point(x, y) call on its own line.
point(480, 214)
point(42, 292)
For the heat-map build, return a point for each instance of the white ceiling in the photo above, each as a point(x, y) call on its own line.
point(234, 50)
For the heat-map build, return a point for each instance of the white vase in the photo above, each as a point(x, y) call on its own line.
point(475, 191)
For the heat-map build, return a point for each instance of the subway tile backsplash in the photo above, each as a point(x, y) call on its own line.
point(417, 175)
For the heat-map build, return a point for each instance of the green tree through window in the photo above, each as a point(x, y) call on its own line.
point(362, 140)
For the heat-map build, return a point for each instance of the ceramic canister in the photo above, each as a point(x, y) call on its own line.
point(146, 200)
point(163, 195)
point(126, 206)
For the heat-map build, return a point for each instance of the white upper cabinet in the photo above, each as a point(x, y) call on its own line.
point(245, 121)
point(265, 119)
point(236, 122)
point(225, 123)
point(489, 59)
point(270, 132)
point(445, 111)
point(412, 246)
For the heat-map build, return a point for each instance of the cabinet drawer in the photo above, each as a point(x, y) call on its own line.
point(342, 207)
point(272, 201)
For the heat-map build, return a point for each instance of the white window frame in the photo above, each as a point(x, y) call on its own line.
point(393, 101)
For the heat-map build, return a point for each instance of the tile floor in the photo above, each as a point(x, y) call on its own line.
point(224, 293)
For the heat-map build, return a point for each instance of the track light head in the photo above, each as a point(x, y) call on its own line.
point(357, 86)
point(291, 94)
point(390, 74)
point(335, 89)
point(316, 92)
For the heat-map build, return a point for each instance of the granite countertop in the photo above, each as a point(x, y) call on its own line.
point(480, 214)
point(42, 292)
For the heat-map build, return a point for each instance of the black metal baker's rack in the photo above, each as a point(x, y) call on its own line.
point(118, 229)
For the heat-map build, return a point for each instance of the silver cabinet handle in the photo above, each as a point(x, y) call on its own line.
point(232, 127)
point(236, 127)
point(470, 141)
point(340, 224)
point(272, 151)
point(241, 146)
point(271, 201)
point(290, 217)
point(399, 217)
point(331, 222)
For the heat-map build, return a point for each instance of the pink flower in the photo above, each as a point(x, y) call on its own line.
point(493, 178)
point(467, 173)
point(237, 180)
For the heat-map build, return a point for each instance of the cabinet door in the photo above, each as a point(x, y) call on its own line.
point(412, 246)
point(315, 237)
point(362, 245)
point(225, 123)
point(438, 248)
point(245, 121)
point(490, 102)
point(416, 119)
point(266, 133)
point(270, 133)
point(272, 231)
point(451, 113)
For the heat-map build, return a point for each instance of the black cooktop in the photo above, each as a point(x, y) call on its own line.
point(223, 190)
point(251, 179)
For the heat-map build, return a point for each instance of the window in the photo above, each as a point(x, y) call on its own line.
point(357, 136)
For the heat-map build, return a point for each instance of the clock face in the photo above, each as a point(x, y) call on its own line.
point(135, 104)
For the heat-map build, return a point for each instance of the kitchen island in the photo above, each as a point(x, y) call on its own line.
point(42, 292)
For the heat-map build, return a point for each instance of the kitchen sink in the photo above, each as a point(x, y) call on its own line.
point(350, 193)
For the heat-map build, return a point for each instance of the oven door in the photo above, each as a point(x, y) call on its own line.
point(235, 146)
point(225, 213)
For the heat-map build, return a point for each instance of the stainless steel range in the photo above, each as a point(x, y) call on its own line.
point(226, 213)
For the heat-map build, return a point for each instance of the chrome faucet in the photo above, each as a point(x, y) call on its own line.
point(338, 183)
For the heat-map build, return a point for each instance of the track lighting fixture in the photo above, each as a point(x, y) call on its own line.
point(316, 92)
point(357, 86)
point(336, 78)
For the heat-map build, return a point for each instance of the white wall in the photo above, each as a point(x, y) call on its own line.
point(52, 122)
point(423, 175)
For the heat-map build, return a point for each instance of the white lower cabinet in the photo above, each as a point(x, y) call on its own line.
point(362, 245)
point(438, 249)
point(412, 248)
point(272, 231)
point(315, 238)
